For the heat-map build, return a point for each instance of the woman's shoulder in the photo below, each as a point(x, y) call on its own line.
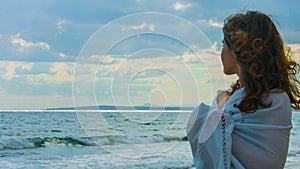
point(278, 97)
point(278, 113)
point(279, 101)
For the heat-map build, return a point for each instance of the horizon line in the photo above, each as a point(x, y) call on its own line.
point(85, 111)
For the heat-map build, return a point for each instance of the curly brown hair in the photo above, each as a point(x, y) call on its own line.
point(266, 64)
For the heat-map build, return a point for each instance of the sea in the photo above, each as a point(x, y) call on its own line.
point(106, 139)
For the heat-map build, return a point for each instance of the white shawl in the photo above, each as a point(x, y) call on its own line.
point(241, 140)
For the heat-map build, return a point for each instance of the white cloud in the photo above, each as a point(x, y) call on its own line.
point(151, 27)
point(209, 54)
point(180, 6)
point(295, 50)
point(64, 72)
point(8, 69)
point(62, 55)
point(23, 43)
point(189, 57)
point(77, 90)
point(213, 49)
point(211, 22)
point(38, 78)
point(60, 26)
point(107, 60)
point(150, 81)
point(59, 72)
point(104, 59)
point(141, 26)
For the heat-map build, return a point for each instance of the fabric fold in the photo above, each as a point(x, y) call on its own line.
point(229, 138)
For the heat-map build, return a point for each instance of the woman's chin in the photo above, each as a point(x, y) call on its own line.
point(229, 72)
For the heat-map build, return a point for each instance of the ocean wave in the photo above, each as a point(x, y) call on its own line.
point(23, 143)
point(36, 142)
point(114, 140)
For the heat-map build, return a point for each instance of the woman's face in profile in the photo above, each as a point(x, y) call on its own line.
point(230, 65)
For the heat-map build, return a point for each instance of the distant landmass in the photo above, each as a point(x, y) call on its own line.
point(108, 107)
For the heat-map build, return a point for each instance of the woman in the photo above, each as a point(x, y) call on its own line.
point(249, 125)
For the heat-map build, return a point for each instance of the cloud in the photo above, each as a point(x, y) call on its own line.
point(38, 79)
point(62, 55)
point(139, 27)
point(60, 72)
point(190, 57)
point(142, 26)
point(8, 69)
point(213, 49)
point(127, 67)
point(295, 50)
point(211, 22)
point(105, 60)
point(60, 26)
point(23, 43)
point(19, 49)
point(63, 72)
point(151, 27)
point(180, 6)
point(208, 56)
point(148, 81)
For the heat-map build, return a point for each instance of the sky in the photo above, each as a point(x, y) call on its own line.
point(57, 53)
